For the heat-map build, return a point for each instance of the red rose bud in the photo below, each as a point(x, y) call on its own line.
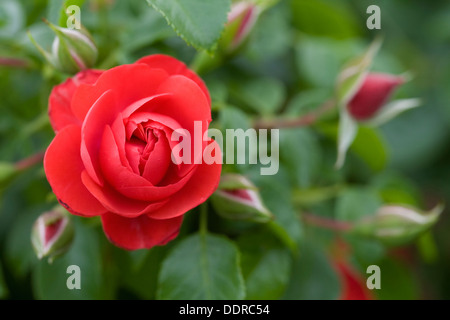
point(52, 234)
point(241, 19)
point(72, 50)
point(237, 198)
point(397, 225)
point(372, 95)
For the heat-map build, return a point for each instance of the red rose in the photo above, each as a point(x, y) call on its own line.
point(112, 152)
point(373, 94)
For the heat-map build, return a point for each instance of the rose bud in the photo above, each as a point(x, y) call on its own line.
point(241, 19)
point(397, 225)
point(237, 198)
point(52, 234)
point(72, 50)
point(372, 95)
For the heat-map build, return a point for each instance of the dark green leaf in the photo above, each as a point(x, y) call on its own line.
point(3, 288)
point(356, 203)
point(266, 265)
point(199, 23)
point(202, 267)
point(324, 18)
point(262, 95)
point(300, 153)
point(313, 276)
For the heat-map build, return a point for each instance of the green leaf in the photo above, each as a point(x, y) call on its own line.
point(19, 253)
point(262, 95)
point(266, 265)
point(272, 36)
point(276, 193)
point(149, 28)
point(202, 267)
point(313, 276)
point(12, 18)
point(3, 288)
point(397, 282)
point(320, 18)
point(300, 153)
point(198, 22)
point(368, 145)
point(141, 272)
point(233, 118)
point(356, 203)
point(49, 280)
point(329, 54)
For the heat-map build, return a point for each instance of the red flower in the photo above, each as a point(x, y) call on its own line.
point(372, 95)
point(112, 152)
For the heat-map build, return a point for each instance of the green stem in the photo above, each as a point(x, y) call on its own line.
point(204, 62)
point(203, 219)
point(30, 161)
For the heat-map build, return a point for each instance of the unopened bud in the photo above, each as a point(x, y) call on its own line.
point(237, 198)
point(241, 20)
point(397, 225)
point(373, 95)
point(52, 234)
point(72, 50)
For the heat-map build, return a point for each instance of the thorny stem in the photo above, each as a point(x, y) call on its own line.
point(303, 121)
point(326, 223)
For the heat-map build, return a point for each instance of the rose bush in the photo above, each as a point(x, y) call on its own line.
point(111, 156)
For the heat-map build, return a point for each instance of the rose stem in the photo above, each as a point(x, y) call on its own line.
point(203, 219)
point(13, 62)
point(326, 223)
point(30, 161)
point(303, 121)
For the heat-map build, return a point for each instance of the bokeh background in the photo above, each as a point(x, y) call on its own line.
point(288, 66)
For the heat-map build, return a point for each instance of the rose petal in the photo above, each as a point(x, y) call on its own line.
point(174, 67)
point(63, 167)
point(132, 186)
point(59, 109)
point(130, 83)
point(201, 185)
point(158, 162)
point(140, 233)
point(103, 112)
point(116, 202)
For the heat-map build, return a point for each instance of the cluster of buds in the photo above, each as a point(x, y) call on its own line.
point(72, 50)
